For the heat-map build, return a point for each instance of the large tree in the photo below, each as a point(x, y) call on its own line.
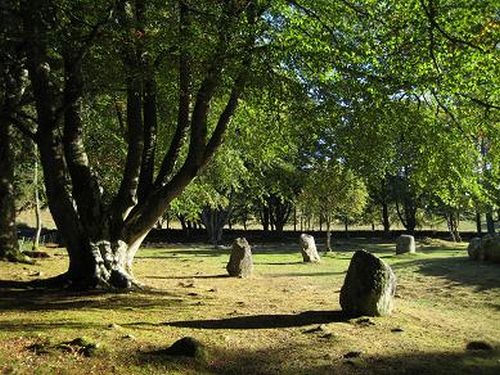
point(62, 40)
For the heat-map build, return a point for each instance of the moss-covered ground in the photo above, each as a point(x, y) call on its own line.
point(286, 319)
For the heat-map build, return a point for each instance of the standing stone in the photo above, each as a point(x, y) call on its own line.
point(240, 262)
point(405, 244)
point(308, 249)
point(369, 286)
point(474, 249)
point(490, 245)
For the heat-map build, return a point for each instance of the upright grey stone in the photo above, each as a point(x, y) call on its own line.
point(405, 244)
point(474, 249)
point(369, 286)
point(490, 245)
point(240, 262)
point(308, 249)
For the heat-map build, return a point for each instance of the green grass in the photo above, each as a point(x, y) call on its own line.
point(258, 325)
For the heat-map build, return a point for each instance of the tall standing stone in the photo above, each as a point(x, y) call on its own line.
point(369, 286)
point(308, 249)
point(405, 244)
point(240, 262)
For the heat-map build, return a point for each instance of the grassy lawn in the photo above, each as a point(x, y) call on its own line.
point(286, 319)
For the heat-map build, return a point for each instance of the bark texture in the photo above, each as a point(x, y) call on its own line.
point(9, 246)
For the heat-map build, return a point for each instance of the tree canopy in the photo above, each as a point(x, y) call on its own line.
point(128, 101)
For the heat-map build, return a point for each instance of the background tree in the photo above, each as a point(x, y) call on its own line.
point(334, 191)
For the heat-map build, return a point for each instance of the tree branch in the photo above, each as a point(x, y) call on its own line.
point(20, 125)
point(480, 102)
point(85, 187)
point(224, 118)
point(431, 13)
point(171, 156)
point(126, 197)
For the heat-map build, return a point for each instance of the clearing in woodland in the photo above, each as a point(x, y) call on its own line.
point(286, 319)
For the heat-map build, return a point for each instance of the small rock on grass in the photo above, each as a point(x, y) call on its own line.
point(320, 328)
point(397, 330)
point(365, 322)
point(479, 345)
point(328, 336)
point(81, 346)
point(353, 354)
point(187, 347)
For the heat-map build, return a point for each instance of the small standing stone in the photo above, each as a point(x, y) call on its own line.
point(486, 248)
point(369, 286)
point(308, 249)
point(187, 347)
point(491, 248)
point(405, 244)
point(240, 262)
point(474, 249)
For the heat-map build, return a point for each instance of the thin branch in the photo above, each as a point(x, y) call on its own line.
point(172, 154)
point(430, 12)
point(480, 102)
point(450, 114)
point(227, 113)
point(309, 12)
point(96, 29)
point(22, 126)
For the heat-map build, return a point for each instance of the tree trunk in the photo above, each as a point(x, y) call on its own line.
point(409, 215)
point(328, 237)
point(12, 86)
point(295, 218)
point(385, 218)
point(264, 217)
point(208, 218)
point(490, 223)
point(479, 228)
point(214, 221)
point(36, 240)
point(346, 227)
point(9, 246)
point(452, 222)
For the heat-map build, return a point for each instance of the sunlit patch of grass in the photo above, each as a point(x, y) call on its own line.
point(264, 324)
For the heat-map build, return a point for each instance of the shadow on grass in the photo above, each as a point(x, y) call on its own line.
point(278, 263)
point(308, 358)
point(220, 276)
point(266, 321)
point(21, 296)
point(181, 253)
point(304, 274)
point(22, 325)
point(460, 270)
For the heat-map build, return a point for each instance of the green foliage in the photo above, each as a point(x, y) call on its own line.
point(334, 191)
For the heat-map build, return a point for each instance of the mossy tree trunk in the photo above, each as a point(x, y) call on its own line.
point(9, 246)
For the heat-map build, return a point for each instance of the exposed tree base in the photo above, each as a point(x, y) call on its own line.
point(67, 282)
point(17, 258)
